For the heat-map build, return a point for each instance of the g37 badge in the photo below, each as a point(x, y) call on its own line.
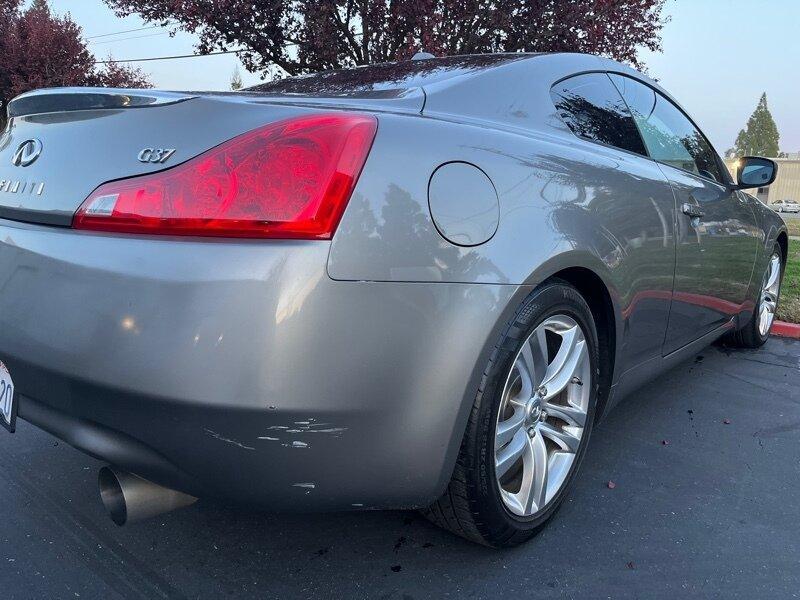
point(155, 155)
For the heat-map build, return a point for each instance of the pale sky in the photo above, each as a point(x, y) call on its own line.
point(718, 57)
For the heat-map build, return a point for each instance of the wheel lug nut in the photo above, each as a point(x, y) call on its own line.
point(576, 380)
point(542, 391)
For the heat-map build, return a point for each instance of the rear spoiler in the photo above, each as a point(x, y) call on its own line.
point(71, 99)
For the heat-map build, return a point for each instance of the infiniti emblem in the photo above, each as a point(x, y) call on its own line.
point(27, 153)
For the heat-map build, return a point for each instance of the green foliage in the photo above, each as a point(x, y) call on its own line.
point(760, 137)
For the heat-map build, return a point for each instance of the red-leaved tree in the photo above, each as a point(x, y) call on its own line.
point(301, 36)
point(39, 49)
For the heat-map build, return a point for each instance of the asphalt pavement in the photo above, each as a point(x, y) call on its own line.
point(706, 467)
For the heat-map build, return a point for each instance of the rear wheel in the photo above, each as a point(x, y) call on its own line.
point(530, 423)
point(757, 330)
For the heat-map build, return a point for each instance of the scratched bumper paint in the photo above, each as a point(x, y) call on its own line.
point(241, 370)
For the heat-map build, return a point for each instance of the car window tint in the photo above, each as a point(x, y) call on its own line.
point(668, 134)
point(593, 109)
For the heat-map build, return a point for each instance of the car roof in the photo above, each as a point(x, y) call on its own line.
point(396, 79)
point(508, 89)
point(388, 77)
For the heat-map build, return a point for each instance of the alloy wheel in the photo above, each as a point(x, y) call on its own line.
point(543, 413)
point(769, 295)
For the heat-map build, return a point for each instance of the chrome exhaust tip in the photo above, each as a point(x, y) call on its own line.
point(128, 497)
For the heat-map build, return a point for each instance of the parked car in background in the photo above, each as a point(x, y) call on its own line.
point(786, 206)
point(408, 285)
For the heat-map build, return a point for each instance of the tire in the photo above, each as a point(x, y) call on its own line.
point(473, 505)
point(750, 336)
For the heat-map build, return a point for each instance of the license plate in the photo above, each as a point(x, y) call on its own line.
point(8, 404)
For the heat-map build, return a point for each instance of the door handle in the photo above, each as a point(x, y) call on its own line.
point(692, 210)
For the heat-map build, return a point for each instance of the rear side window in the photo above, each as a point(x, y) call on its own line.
point(669, 135)
point(593, 109)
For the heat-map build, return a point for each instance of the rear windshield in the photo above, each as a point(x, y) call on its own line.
point(386, 77)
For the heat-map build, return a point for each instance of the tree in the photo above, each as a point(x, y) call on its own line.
point(301, 36)
point(236, 80)
point(760, 137)
point(39, 49)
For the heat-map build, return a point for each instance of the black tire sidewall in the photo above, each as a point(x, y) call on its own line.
point(551, 299)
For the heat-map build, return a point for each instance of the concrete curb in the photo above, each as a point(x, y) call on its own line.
point(787, 330)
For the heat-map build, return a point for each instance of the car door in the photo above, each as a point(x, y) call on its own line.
point(629, 211)
point(716, 232)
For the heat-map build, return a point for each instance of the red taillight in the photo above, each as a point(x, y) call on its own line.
point(290, 179)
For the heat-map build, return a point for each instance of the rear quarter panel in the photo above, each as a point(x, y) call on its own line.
point(563, 203)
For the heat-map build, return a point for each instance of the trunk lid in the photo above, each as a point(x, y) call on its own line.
point(61, 144)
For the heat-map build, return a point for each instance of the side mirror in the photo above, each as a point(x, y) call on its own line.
point(755, 171)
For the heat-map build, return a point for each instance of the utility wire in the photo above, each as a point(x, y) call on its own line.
point(110, 62)
point(132, 37)
point(130, 60)
point(93, 37)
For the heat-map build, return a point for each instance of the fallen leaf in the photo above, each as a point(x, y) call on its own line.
point(726, 421)
point(611, 485)
point(665, 442)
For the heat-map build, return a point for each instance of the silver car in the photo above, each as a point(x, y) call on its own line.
point(786, 206)
point(409, 285)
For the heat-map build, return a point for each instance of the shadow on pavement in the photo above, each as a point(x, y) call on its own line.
point(701, 508)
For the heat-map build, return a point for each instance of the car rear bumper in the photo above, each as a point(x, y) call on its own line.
point(240, 369)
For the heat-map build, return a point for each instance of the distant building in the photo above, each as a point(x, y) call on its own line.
point(786, 186)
